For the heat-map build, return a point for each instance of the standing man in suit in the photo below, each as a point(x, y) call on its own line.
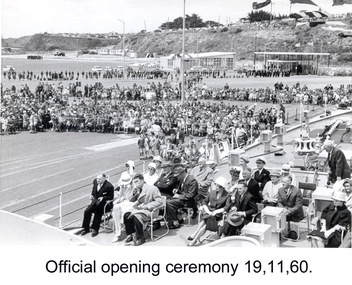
point(242, 206)
point(253, 186)
point(339, 168)
point(290, 198)
point(261, 175)
point(183, 197)
point(102, 191)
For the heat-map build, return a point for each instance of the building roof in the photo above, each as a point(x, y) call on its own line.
point(200, 55)
point(290, 53)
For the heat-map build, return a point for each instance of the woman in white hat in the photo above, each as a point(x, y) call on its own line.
point(335, 219)
point(122, 202)
point(151, 176)
point(271, 189)
point(213, 207)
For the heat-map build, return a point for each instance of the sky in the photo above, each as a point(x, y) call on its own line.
point(28, 17)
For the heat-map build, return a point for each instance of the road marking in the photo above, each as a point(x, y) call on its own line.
point(43, 165)
point(110, 145)
point(35, 180)
point(8, 205)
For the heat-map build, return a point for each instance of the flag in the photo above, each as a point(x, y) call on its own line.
point(257, 5)
point(309, 2)
point(341, 2)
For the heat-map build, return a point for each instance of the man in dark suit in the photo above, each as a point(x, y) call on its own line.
point(243, 205)
point(253, 186)
point(339, 168)
point(167, 181)
point(102, 191)
point(290, 198)
point(261, 175)
point(183, 196)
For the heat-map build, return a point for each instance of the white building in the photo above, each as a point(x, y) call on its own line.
point(205, 59)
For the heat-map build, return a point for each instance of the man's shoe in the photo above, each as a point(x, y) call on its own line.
point(139, 241)
point(174, 225)
point(84, 232)
point(95, 233)
point(129, 239)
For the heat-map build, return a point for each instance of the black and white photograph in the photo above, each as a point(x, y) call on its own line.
point(180, 124)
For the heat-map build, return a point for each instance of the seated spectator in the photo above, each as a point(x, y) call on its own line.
point(183, 197)
point(204, 176)
point(240, 210)
point(213, 207)
point(290, 198)
point(286, 171)
point(253, 186)
point(244, 160)
point(151, 176)
point(158, 162)
point(271, 189)
point(123, 201)
point(347, 189)
point(261, 175)
point(139, 215)
point(102, 191)
point(235, 177)
point(167, 181)
point(335, 218)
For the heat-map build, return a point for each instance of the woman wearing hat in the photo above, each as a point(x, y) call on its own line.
point(335, 219)
point(271, 189)
point(213, 206)
point(244, 160)
point(122, 202)
point(151, 176)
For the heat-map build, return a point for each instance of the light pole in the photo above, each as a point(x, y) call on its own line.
point(183, 54)
point(123, 46)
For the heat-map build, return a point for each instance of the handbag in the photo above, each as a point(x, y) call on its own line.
point(211, 224)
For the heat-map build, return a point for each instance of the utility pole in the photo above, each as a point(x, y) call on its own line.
point(183, 54)
point(123, 48)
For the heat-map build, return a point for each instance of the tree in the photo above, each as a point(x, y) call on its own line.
point(259, 16)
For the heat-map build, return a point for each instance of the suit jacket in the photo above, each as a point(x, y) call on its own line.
point(106, 191)
point(247, 204)
point(293, 202)
point(151, 198)
point(204, 178)
point(166, 183)
point(253, 188)
point(188, 188)
point(338, 165)
point(262, 178)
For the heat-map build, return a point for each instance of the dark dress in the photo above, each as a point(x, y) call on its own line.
point(339, 216)
point(213, 203)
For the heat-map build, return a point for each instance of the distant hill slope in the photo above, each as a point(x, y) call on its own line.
point(244, 39)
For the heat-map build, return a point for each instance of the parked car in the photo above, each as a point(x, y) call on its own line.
point(108, 68)
point(59, 53)
point(93, 52)
point(97, 69)
point(8, 68)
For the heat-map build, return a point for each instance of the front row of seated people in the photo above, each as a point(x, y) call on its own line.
point(133, 205)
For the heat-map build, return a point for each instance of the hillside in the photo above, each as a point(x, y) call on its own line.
point(244, 39)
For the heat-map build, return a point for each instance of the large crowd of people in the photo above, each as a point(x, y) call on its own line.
point(179, 170)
